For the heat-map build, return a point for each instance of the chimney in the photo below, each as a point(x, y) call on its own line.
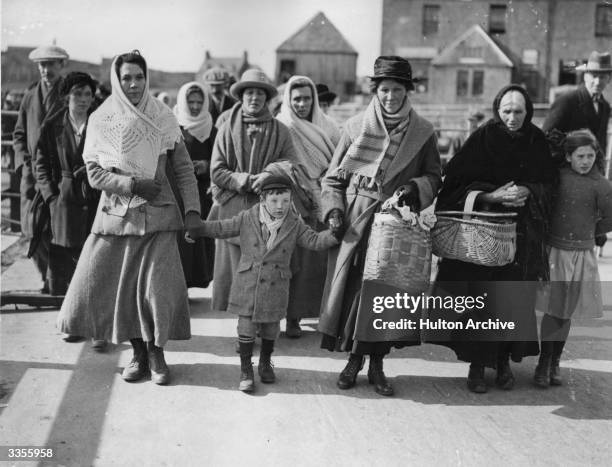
point(207, 55)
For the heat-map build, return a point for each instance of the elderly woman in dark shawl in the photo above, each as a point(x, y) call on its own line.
point(508, 161)
point(388, 149)
point(251, 145)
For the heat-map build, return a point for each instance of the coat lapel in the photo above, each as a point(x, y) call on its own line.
point(417, 132)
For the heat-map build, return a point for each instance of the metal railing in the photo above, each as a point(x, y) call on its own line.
point(8, 166)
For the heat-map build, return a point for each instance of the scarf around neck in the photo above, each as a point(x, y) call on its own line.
point(366, 153)
point(130, 137)
point(270, 225)
point(200, 125)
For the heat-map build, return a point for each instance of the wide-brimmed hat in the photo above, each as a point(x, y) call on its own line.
point(276, 182)
point(215, 75)
point(393, 67)
point(597, 63)
point(325, 95)
point(48, 53)
point(253, 78)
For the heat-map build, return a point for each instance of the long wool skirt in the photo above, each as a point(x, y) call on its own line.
point(127, 287)
point(574, 290)
point(227, 256)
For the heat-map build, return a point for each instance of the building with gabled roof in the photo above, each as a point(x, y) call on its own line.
point(235, 66)
point(471, 69)
point(320, 51)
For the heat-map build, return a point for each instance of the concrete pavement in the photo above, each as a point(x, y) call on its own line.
point(69, 398)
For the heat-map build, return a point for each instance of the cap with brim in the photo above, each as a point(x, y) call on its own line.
point(276, 182)
point(597, 63)
point(324, 94)
point(393, 67)
point(215, 75)
point(48, 53)
point(253, 78)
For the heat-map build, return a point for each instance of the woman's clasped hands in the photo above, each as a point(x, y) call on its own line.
point(509, 195)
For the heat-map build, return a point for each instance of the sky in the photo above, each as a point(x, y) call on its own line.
point(173, 35)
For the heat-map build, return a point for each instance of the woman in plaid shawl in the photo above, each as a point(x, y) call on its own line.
point(386, 149)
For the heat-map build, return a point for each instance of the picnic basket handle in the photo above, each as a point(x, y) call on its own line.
point(470, 200)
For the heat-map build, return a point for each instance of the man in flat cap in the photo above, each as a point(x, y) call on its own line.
point(40, 100)
point(217, 80)
point(585, 107)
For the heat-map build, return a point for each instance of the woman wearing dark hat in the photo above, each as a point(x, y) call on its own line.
point(326, 97)
point(387, 149)
point(250, 146)
point(62, 179)
point(507, 164)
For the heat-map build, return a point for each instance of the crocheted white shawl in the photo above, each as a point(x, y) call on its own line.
point(200, 125)
point(128, 138)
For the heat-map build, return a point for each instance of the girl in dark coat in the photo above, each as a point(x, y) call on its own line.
point(508, 161)
point(199, 133)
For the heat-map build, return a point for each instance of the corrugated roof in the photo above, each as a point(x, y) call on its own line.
point(317, 35)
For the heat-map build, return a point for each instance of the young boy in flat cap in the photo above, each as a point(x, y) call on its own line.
point(269, 232)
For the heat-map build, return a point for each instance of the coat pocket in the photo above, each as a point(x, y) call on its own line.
point(244, 266)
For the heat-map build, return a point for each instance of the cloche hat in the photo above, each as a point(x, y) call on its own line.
point(253, 78)
point(393, 67)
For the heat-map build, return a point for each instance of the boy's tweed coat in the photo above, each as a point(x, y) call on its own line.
point(260, 288)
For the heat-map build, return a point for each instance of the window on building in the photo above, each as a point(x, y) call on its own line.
point(603, 20)
point(477, 83)
point(497, 19)
point(431, 19)
point(463, 77)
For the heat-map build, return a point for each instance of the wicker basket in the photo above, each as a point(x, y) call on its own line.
point(398, 254)
point(484, 238)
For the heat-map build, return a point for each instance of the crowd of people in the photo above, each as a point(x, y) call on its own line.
point(122, 204)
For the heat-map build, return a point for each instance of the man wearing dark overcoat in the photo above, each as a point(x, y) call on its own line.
point(585, 107)
point(41, 100)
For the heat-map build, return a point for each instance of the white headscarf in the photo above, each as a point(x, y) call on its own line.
point(315, 141)
point(199, 126)
point(130, 138)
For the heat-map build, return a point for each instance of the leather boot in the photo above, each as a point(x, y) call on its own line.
point(247, 378)
point(348, 376)
point(475, 380)
point(541, 376)
point(138, 367)
point(160, 374)
point(504, 378)
point(293, 328)
point(555, 371)
point(265, 367)
point(376, 376)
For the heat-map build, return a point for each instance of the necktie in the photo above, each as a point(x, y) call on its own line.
point(596, 99)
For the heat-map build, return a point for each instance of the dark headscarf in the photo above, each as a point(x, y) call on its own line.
point(493, 156)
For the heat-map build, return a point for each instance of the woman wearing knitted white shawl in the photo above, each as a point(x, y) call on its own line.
point(314, 137)
point(128, 283)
